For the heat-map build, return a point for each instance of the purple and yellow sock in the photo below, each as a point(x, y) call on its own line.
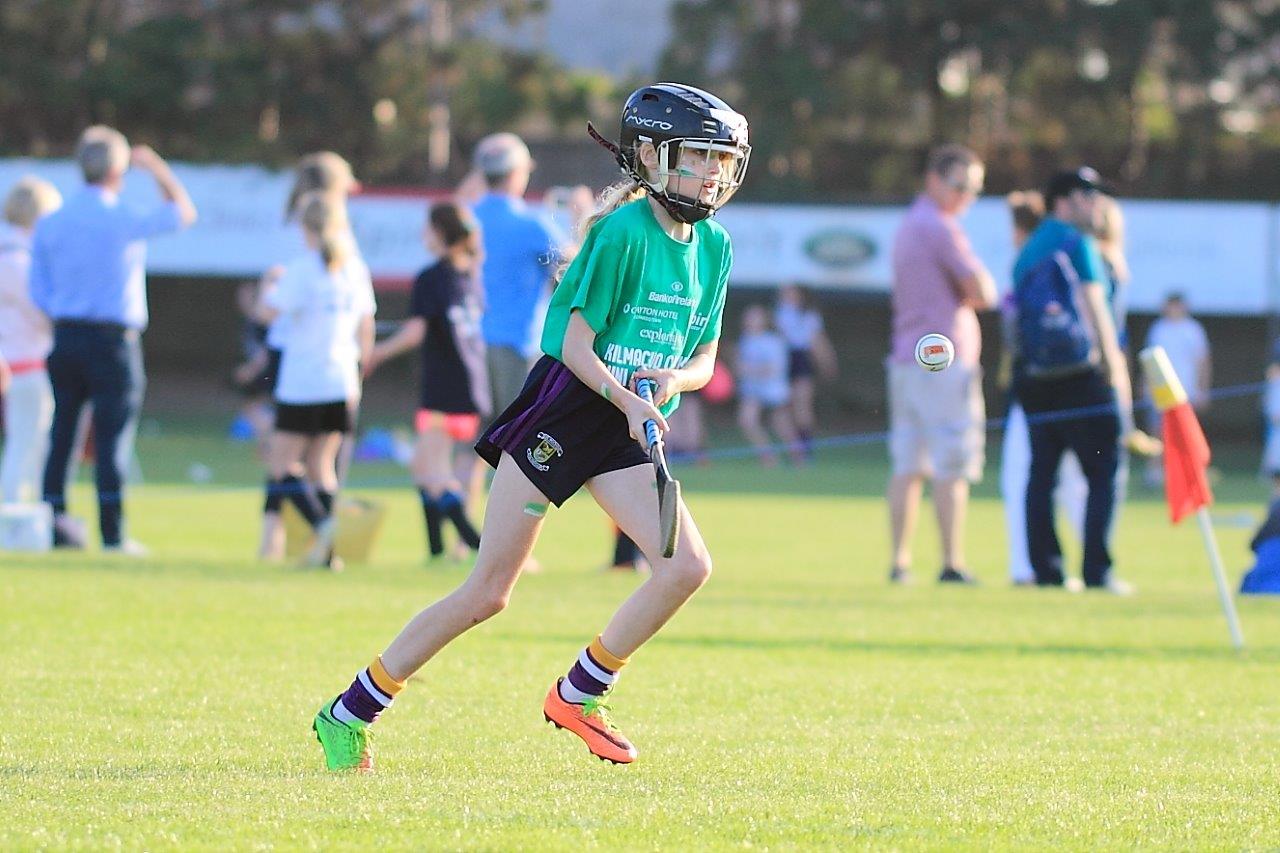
point(592, 674)
point(371, 693)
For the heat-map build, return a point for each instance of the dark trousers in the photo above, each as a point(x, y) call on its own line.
point(1094, 437)
point(99, 364)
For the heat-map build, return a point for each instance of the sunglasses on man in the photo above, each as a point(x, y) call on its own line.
point(964, 186)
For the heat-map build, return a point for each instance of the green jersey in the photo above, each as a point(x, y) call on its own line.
point(651, 300)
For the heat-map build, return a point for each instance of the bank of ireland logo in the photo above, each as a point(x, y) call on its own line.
point(541, 454)
point(677, 286)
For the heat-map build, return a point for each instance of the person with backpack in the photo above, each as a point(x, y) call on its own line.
point(1070, 374)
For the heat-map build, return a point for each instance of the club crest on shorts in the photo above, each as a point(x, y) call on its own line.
point(543, 452)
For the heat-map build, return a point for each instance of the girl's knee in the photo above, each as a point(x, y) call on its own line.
point(487, 595)
point(488, 605)
point(689, 572)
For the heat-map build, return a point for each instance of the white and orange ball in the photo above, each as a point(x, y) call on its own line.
point(935, 352)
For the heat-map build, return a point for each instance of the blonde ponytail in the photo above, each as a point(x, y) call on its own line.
point(324, 216)
point(610, 199)
point(324, 171)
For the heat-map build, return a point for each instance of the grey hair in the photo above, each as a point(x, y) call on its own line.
point(101, 152)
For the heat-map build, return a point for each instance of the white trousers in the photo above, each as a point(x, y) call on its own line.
point(1069, 497)
point(28, 412)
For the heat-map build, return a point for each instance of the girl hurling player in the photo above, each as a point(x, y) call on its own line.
point(643, 299)
point(455, 384)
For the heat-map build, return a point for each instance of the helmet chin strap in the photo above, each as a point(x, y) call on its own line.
point(680, 208)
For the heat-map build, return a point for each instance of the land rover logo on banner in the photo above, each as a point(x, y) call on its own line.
point(840, 249)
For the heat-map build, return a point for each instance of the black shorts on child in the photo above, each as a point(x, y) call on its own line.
point(313, 418)
point(560, 433)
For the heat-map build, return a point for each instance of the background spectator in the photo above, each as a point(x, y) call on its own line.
point(329, 174)
point(763, 389)
point(454, 391)
point(1185, 342)
point(810, 354)
point(1026, 208)
point(88, 274)
point(936, 420)
point(1099, 384)
point(328, 295)
point(25, 340)
point(520, 248)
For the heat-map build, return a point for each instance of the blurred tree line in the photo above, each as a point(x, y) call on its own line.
point(397, 86)
point(1172, 97)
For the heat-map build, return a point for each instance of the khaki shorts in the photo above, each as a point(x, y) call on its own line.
point(937, 422)
point(507, 371)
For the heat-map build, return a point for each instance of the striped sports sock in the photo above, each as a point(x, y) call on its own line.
point(592, 675)
point(300, 493)
point(369, 695)
point(274, 500)
point(450, 504)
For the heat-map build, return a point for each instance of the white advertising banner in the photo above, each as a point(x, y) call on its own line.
point(241, 230)
point(1222, 255)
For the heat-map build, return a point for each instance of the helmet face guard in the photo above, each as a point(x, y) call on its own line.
point(672, 164)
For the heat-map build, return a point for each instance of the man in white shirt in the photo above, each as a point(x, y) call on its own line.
point(1187, 346)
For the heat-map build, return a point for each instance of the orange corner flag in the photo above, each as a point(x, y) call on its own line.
point(1186, 452)
point(1186, 462)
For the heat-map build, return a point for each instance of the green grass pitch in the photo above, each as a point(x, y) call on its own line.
point(799, 702)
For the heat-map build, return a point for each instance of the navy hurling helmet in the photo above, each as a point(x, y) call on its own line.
point(675, 118)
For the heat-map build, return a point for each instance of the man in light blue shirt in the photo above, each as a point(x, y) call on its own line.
point(88, 274)
point(521, 247)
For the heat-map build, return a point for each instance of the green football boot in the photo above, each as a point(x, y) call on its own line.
point(346, 746)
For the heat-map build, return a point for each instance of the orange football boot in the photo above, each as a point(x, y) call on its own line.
point(591, 723)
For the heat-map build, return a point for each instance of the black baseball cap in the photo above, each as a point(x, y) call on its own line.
point(1083, 178)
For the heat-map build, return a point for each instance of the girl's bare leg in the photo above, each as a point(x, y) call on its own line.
point(749, 420)
point(322, 461)
point(432, 462)
point(629, 497)
point(802, 392)
point(780, 420)
point(510, 529)
point(284, 456)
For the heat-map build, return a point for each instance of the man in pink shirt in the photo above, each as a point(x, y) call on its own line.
point(936, 420)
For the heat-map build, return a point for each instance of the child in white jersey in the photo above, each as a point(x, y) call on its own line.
point(327, 297)
point(328, 173)
point(763, 387)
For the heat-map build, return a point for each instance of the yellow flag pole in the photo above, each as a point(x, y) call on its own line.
point(1167, 392)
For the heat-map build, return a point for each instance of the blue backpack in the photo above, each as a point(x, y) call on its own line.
point(1053, 339)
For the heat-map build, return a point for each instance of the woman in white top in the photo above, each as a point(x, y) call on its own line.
point(25, 340)
point(809, 353)
point(325, 172)
point(326, 296)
